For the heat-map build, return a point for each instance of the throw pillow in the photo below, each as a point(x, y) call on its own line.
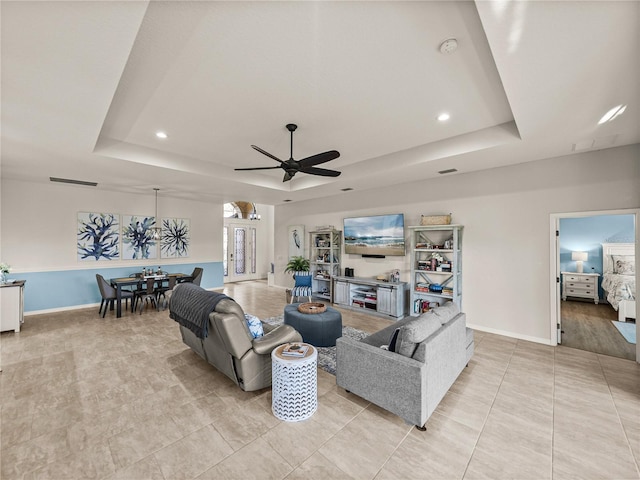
point(394, 339)
point(255, 325)
point(416, 331)
point(303, 280)
point(624, 264)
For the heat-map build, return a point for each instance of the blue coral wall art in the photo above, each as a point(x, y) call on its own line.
point(176, 236)
point(137, 238)
point(98, 236)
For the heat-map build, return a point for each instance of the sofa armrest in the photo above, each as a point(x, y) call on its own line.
point(279, 335)
point(387, 379)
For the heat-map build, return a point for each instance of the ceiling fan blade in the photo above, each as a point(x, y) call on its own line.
point(266, 153)
point(257, 168)
point(319, 158)
point(320, 171)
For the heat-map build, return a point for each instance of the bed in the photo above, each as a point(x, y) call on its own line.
point(619, 278)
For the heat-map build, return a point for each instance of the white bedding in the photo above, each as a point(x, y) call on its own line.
point(619, 287)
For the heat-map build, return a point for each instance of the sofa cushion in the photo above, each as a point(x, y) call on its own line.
point(416, 331)
point(446, 312)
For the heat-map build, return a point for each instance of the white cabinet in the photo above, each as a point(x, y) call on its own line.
point(581, 285)
point(436, 266)
point(11, 306)
point(372, 296)
point(324, 257)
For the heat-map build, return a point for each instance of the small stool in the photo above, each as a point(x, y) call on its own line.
point(319, 329)
point(294, 390)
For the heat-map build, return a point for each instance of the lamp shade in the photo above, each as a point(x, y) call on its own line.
point(579, 256)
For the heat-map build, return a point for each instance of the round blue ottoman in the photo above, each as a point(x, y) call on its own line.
point(318, 329)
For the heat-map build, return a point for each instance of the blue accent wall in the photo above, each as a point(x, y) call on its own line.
point(586, 234)
point(69, 288)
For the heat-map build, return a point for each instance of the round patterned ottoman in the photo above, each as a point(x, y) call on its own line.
point(319, 329)
point(294, 388)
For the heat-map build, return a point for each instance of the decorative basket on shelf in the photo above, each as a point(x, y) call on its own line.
point(435, 220)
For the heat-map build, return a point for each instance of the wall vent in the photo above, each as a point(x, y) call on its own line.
point(450, 170)
point(74, 182)
point(346, 189)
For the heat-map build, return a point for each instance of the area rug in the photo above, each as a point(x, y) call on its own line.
point(326, 355)
point(628, 330)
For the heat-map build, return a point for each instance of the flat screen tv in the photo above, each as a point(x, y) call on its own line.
point(376, 235)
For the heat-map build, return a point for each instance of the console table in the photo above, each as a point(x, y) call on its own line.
point(370, 295)
point(12, 305)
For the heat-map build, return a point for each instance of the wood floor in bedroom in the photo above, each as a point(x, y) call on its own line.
point(587, 326)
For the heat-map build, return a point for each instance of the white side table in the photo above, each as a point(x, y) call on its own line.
point(294, 384)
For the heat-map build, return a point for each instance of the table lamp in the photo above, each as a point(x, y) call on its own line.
point(579, 257)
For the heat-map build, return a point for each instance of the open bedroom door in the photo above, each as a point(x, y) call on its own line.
point(584, 247)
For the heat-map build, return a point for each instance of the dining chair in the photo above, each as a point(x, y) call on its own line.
point(148, 293)
point(165, 292)
point(197, 276)
point(109, 295)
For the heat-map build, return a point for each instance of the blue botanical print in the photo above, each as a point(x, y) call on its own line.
point(175, 238)
point(98, 236)
point(138, 238)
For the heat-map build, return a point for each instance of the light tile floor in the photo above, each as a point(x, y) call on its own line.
point(85, 397)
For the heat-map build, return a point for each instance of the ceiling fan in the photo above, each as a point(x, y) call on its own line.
point(306, 165)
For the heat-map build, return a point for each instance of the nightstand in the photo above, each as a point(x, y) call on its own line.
point(583, 285)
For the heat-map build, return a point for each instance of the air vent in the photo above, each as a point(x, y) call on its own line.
point(74, 182)
point(451, 170)
point(346, 189)
point(287, 200)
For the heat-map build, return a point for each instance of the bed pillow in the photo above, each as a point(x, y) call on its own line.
point(624, 264)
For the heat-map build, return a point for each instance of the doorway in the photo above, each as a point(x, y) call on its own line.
point(239, 252)
point(581, 316)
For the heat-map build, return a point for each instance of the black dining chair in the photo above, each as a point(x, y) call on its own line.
point(109, 295)
point(148, 293)
point(196, 276)
point(165, 292)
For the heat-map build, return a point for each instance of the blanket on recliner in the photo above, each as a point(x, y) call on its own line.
point(191, 305)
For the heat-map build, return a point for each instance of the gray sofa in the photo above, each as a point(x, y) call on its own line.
point(430, 352)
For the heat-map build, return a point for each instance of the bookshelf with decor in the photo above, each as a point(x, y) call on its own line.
point(324, 256)
point(436, 266)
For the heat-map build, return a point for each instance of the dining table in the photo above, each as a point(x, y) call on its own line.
point(120, 282)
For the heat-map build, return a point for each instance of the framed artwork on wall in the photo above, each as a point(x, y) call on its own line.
point(98, 236)
point(295, 235)
point(137, 238)
point(176, 238)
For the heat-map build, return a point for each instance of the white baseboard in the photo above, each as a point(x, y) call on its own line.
point(504, 333)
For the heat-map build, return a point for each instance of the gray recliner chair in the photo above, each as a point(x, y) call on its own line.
point(227, 344)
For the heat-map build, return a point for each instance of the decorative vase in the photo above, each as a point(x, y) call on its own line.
point(3, 277)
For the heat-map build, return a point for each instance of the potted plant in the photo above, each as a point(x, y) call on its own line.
point(297, 264)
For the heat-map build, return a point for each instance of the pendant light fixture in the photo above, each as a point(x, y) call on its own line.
point(156, 231)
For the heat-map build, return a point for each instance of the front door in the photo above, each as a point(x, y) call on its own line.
point(239, 244)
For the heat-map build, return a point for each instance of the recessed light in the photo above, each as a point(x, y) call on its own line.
point(443, 117)
point(161, 135)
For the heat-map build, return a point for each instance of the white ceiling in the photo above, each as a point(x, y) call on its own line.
point(85, 86)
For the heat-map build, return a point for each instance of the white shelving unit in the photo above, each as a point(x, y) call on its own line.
point(436, 266)
point(324, 256)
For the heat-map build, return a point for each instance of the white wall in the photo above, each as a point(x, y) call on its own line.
point(39, 224)
point(506, 218)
